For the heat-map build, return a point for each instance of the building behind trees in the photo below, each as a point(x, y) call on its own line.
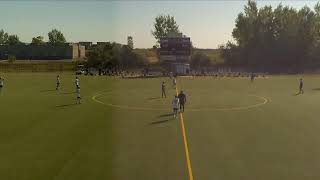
point(43, 52)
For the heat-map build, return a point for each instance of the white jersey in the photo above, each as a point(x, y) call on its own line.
point(1, 82)
point(78, 92)
point(174, 81)
point(58, 80)
point(175, 103)
point(77, 82)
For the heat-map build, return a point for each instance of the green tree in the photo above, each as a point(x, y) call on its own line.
point(56, 37)
point(199, 60)
point(37, 40)
point(130, 42)
point(101, 56)
point(13, 40)
point(3, 37)
point(113, 55)
point(11, 58)
point(163, 25)
point(280, 38)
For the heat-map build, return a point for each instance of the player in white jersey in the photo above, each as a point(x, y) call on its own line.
point(58, 83)
point(78, 95)
point(77, 82)
point(174, 82)
point(175, 106)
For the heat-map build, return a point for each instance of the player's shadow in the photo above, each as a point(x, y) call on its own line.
point(316, 89)
point(153, 98)
point(66, 105)
point(159, 122)
point(297, 94)
point(48, 90)
point(67, 92)
point(165, 115)
point(162, 121)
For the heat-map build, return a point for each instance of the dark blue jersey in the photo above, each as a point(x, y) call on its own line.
point(182, 98)
point(301, 84)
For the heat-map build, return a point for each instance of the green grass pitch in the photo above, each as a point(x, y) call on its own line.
point(124, 130)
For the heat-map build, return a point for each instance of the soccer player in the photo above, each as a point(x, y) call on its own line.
point(1, 82)
point(252, 77)
point(182, 100)
point(175, 106)
point(77, 82)
point(163, 89)
point(78, 95)
point(301, 87)
point(58, 83)
point(174, 82)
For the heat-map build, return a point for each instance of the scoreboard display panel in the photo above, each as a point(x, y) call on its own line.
point(175, 46)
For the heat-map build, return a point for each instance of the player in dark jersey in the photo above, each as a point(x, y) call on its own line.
point(1, 82)
point(58, 83)
point(301, 87)
point(163, 89)
point(78, 95)
point(182, 99)
point(252, 77)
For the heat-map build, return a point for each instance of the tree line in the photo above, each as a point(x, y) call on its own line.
point(55, 37)
point(283, 38)
point(114, 56)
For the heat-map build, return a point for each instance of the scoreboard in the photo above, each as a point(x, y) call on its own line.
point(175, 46)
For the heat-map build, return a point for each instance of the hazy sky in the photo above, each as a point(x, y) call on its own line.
point(208, 23)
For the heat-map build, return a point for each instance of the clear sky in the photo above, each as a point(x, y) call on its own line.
point(208, 23)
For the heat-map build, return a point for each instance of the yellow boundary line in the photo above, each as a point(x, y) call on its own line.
point(265, 101)
point(185, 142)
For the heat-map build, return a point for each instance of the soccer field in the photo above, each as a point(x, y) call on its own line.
point(124, 130)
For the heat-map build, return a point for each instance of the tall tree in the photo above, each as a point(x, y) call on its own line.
point(56, 37)
point(37, 40)
point(13, 40)
point(3, 37)
point(199, 60)
point(130, 42)
point(163, 25)
point(113, 55)
point(280, 38)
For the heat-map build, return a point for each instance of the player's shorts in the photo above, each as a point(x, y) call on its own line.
point(175, 109)
point(1, 86)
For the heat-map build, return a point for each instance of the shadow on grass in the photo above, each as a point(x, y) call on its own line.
point(297, 94)
point(153, 98)
point(66, 105)
point(165, 115)
point(159, 122)
point(316, 89)
point(67, 93)
point(48, 90)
